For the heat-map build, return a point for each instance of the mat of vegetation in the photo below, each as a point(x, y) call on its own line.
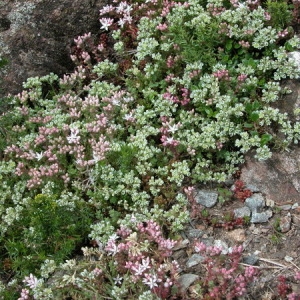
point(97, 166)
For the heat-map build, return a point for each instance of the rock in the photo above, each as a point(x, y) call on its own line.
point(250, 260)
point(256, 202)
point(242, 212)
point(206, 198)
point(285, 207)
point(237, 235)
point(296, 219)
point(295, 55)
point(261, 217)
point(222, 245)
point(186, 280)
point(253, 188)
point(179, 254)
point(285, 223)
point(181, 245)
point(278, 177)
point(194, 233)
point(270, 203)
point(36, 36)
point(194, 260)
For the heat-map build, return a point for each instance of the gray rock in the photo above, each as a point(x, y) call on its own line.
point(181, 245)
point(277, 178)
point(256, 202)
point(285, 207)
point(285, 223)
point(206, 198)
point(36, 36)
point(194, 260)
point(222, 245)
point(242, 212)
point(253, 188)
point(194, 233)
point(295, 55)
point(261, 217)
point(250, 260)
point(186, 280)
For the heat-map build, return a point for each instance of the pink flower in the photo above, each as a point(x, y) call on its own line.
point(31, 281)
point(24, 294)
point(162, 27)
point(106, 9)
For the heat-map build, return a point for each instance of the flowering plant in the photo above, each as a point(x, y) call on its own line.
point(173, 93)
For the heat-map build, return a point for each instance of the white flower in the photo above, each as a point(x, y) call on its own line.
point(173, 128)
point(169, 140)
point(39, 156)
point(106, 22)
point(142, 267)
point(124, 8)
point(129, 117)
point(128, 19)
point(118, 279)
point(151, 280)
point(113, 237)
point(73, 138)
point(121, 22)
point(145, 263)
point(138, 270)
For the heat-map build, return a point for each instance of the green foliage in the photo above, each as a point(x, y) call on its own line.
point(281, 14)
point(225, 195)
point(45, 229)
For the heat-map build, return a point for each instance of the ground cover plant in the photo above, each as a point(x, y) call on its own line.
point(169, 95)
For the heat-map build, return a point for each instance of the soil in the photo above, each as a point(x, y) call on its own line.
point(274, 253)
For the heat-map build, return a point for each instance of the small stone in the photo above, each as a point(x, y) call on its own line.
point(270, 202)
point(237, 235)
point(296, 220)
point(186, 280)
point(181, 245)
point(295, 205)
point(253, 188)
point(179, 254)
point(242, 212)
point(296, 56)
point(256, 202)
point(250, 260)
point(206, 198)
point(194, 260)
point(285, 207)
point(285, 223)
point(194, 233)
point(261, 217)
point(288, 258)
point(222, 245)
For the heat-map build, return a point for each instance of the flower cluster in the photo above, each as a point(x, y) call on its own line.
point(223, 273)
point(133, 257)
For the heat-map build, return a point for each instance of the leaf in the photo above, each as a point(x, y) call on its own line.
point(248, 125)
point(265, 139)
point(254, 117)
point(228, 45)
point(237, 46)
